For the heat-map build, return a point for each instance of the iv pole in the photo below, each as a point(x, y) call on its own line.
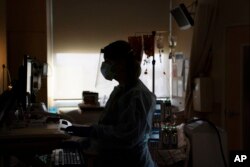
point(171, 43)
point(153, 55)
point(153, 67)
point(170, 19)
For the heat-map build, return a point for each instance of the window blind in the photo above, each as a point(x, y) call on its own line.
point(86, 26)
point(82, 28)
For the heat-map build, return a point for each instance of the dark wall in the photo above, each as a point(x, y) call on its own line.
point(2, 43)
point(26, 34)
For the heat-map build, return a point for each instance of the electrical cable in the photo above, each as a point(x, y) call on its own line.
point(217, 132)
point(3, 75)
point(9, 79)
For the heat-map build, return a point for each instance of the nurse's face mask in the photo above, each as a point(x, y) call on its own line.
point(107, 70)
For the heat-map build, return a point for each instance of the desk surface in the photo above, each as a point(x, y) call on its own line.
point(38, 138)
point(40, 131)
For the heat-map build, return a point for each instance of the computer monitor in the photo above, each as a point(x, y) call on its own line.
point(29, 81)
point(182, 17)
point(24, 82)
point(24, 89)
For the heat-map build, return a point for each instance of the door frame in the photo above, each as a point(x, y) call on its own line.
point(234, 112)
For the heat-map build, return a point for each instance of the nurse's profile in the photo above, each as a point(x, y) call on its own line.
point(123, 129)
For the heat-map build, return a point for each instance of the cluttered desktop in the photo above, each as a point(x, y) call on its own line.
point(29, 134)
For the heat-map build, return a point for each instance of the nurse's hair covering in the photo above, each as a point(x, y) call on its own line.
point(122, 51)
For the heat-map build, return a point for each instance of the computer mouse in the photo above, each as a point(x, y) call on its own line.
point(63, 124)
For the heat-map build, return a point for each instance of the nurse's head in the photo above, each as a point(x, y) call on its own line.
point(120, 63)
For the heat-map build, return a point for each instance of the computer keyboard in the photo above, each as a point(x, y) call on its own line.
point(67, 157)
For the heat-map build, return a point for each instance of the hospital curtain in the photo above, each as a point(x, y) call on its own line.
point(202, 47)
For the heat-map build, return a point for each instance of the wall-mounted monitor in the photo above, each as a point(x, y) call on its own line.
point(182, 17)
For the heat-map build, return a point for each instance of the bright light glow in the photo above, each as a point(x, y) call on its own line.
point(77, 72)
point(162, 74)
point(73, 73)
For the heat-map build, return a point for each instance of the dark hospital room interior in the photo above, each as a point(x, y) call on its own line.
point(134, 83)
